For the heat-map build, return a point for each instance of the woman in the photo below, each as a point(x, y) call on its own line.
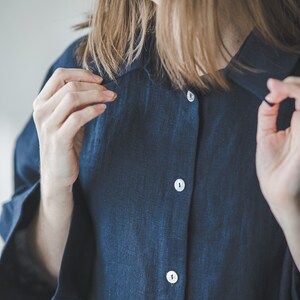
point(167, 177)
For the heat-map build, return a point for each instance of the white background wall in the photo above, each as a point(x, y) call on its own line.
point(33, 34)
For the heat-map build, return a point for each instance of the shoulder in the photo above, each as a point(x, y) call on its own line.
point(26, 153)
point(67, 59)
point(26, 147)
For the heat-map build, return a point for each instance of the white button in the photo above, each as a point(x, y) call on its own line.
point(172, 276)
point(190, 96)
point(179, 185)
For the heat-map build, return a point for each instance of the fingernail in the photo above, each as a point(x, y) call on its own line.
point(269, 103)
point(97, 77)
point(268, 97)
point(268, 100)
point(110, 94)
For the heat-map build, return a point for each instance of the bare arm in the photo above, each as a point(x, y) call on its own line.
point(48, 231)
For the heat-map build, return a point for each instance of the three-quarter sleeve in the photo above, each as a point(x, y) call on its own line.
point(295, 281)
point(20, 278)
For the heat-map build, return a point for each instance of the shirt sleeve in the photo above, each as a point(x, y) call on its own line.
point(29, 269)
point(19, 278)
point(295, 281)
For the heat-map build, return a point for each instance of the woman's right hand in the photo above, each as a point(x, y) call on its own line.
point(60, 112)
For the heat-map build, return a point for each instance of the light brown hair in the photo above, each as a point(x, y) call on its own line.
point(187, 34)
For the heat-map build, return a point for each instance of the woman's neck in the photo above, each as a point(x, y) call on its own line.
point(235, 30)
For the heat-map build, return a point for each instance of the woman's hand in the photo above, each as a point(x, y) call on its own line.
point(278, 153)
point(61, 110)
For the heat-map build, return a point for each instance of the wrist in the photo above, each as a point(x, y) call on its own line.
point(56, 212)
point(291, 225)
point(288, 218)
point(56, 197)
point(52, 190)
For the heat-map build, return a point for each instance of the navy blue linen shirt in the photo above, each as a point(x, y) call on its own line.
point(167, 202)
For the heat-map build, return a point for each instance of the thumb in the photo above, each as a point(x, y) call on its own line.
point(266, 120)
point(268, 110)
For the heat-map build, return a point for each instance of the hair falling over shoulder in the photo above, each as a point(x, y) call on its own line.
point(188, 32)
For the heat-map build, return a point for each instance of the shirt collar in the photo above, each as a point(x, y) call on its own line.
point(147, 60)
point(258, 54)
point(254, 52)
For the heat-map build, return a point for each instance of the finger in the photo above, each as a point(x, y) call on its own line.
point(71, 87)
point(79, 118)
point(76, 101)
point(266, 121)
point(295, 126)
point(63, 75)
point(280, 90)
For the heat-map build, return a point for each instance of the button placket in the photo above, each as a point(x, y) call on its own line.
point(175, 269)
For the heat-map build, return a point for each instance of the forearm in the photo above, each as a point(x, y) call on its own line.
point(48, 231)
point(291, 229)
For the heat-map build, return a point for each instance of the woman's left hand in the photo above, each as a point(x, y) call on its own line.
point(278, 152)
